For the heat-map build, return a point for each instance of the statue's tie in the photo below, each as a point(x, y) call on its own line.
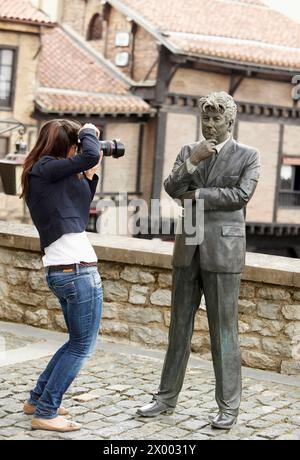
point(211, 163)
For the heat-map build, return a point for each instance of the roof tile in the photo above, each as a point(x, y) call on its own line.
point(248, 20)
point(22, 11)
point(72, 81)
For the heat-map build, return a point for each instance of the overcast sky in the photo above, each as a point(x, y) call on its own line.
point(290, 7)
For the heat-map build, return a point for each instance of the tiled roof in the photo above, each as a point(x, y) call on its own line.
point(244, 51)
point(215, 20)
point(72, 81)
point(22, 11)
point(52, 102)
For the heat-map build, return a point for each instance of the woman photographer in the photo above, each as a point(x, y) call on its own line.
point(58, 187)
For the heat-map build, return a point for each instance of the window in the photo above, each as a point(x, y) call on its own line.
point(6, 76)
point(289, 194)
point(95, 29)
point(3, 146)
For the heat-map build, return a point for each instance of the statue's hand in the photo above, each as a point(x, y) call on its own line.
point(202, 151)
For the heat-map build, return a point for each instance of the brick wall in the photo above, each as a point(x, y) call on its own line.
point(264, 137)
point(181, 129)
point(265, 92)
point(145, 56)
point(137, 296)
point(197, 82)
point(120, 174)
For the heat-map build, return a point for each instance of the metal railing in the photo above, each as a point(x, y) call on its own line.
point(288, 199)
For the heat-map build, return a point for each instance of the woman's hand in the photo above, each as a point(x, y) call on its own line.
point(90, 126)
point(90, 172)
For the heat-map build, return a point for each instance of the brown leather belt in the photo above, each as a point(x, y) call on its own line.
point(70, 267)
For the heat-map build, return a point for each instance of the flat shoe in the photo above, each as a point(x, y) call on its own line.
point(29, 409)
point(54, 424)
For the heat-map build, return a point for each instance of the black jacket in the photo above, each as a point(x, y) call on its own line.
point(58, 200)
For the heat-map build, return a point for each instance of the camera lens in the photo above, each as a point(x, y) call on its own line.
point(113, 148)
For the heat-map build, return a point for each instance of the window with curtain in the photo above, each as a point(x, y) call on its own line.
point(289, 193)
point(6, 76)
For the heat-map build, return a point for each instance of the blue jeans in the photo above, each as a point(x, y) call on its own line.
point(80, 295)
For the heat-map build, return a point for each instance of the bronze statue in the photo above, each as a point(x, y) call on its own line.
point(224, 173)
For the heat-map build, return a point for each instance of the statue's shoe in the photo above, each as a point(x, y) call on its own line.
point(223, 421)
point(154, 409)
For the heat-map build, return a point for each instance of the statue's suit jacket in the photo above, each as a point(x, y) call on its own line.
point(226, 188)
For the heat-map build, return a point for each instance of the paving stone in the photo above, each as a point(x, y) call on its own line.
point(112, 385)
point(276, 430)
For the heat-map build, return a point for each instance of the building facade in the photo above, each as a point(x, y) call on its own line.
point(168, 60)
point(173, 61)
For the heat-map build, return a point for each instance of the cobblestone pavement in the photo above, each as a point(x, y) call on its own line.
point(119, 378)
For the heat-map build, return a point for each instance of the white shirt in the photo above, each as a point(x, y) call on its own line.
point(192, 168)
point(70, 248)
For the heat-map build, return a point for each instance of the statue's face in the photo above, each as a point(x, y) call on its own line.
point(215, 125)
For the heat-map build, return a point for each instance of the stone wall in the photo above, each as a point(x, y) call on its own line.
point(137, 279)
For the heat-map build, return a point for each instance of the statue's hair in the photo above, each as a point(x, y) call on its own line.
point(220, 102)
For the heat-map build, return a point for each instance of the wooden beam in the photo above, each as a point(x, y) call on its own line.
point(235, 81)
point(159, 154)
point(279, 163)
point(164, 75)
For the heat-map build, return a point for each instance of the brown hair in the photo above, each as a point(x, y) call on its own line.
point(55, 138)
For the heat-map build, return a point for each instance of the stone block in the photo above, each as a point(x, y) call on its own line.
point(115, 291)
point(114, 328)
point(247, 290)
point(53, 303)
point(110, 310)
point(293, 331)
point(268, 310)
point(246, 307)
point(273, 293)
point(161, 297)
point(248, 341)
point(290, 367)
point(16, 277)
point(11, 312)
point(4, 289)
point(201, 323)
point(277, 347)
point(266, 327)
point(291, 312)
point(37, 281)
point(141, 315)
point(260, 360)
point(243, 327)
point(59, 322)
point(6, 256)
point(27, 260)
point(200, 343)
point(109, 270)
point(165, 280)
point(152, 337)
point(136, 275)
point(37, 318)
point(138, 294)
point(26, 297)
